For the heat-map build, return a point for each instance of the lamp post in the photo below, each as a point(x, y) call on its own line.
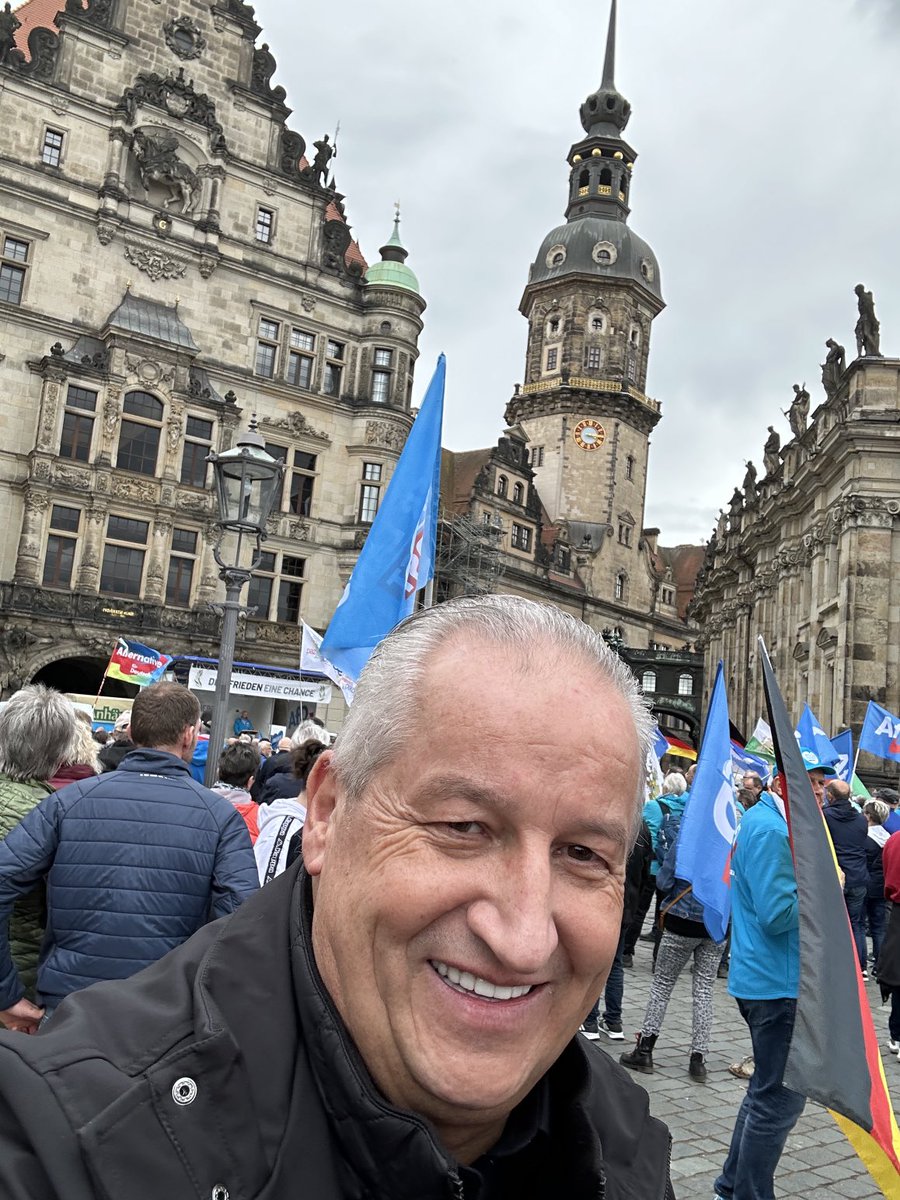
point(247, 484)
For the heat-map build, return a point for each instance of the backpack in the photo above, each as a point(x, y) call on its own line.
point(667, 833)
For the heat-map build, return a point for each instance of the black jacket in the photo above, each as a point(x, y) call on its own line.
point(849, 831)
point(637, 873)
point(223, 1071)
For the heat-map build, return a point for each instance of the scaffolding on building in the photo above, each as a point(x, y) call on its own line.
point(468, 561)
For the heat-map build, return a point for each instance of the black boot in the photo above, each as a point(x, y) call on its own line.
point(697, 1069)
point(641, 1057)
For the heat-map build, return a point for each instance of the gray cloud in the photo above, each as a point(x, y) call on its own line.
point(766, 183)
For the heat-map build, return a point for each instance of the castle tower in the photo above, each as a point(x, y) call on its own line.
point(591, 297)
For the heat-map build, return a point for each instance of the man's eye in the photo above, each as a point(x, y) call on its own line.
point(464, 827)
point(582, 854)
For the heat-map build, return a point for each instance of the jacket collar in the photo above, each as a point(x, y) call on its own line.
point(146, 761)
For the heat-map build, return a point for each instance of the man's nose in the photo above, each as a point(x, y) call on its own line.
point(514, 915)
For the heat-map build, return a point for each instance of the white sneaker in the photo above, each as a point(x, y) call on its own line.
point(612, 1029)
point(893, 1046)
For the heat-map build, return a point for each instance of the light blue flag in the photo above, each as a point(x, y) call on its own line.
point(815, 744)
point(843, 748)
point(703, 856)
point(743, 761)
point(398, 556)
point(660, 745)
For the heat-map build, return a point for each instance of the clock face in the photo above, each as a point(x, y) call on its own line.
point(589, 435)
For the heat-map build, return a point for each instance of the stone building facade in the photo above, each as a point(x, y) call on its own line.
point(561, 497)
point(173, 261)
point(806, 557)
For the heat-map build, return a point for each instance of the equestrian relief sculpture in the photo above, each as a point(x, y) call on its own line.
point(158, 163)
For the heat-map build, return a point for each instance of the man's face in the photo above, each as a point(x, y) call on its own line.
point(752, 782)
point(467, 908)
point(817, 782)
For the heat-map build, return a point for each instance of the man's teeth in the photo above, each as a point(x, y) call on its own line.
point(467, 982)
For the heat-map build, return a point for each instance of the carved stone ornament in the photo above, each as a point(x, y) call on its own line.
point(381, 433)
point(43, 51)
point(110, 417)
point(106, 231)
point(161, 223)
point(293, 147)
point(155, 263)
point(159, 165)
point(40, 470)
point(307, 303)
point(135, 489)
point(192, 502)
point(184, 38)
point(94, 12)
point(176, 96)
point(263, 69)
point(298, 530)
point(337, 239)
point(207, 264)
point(76, 478)
point(297, 425)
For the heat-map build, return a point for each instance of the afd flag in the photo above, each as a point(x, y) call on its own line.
point(398, 557)
point(743, 761)
point(703, 857)
point(843, 748)
point(880, 733)
point(815, 745)
point(133, 662)
point(660, 745)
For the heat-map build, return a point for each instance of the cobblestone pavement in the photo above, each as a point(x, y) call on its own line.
point(818, 1162)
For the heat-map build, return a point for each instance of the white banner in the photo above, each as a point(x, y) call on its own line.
point(203, 679)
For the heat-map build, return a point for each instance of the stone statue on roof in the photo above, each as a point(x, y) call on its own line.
point(798, 413)
point(324, 155)
point(868, 327)
point(9, 24)
point(771, 452)
point(833, 368)
point(750, 481)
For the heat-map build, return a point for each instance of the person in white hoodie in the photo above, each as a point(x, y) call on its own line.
point(281, 821)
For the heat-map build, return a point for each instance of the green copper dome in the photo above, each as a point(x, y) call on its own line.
point(392, 271)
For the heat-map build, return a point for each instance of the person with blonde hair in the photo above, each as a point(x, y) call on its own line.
point(83, 759)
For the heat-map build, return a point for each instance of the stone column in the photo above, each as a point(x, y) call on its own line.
point(91, 550)
point(155, 582)
point(48, 433)
point(174, 440)
point(206, 568)
point(112, 412)
point(28, 559)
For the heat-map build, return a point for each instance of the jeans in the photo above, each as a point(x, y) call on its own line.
point(855, 899)
point(894, 1017)
point(876, 911)
point(615, 988)
point(769, 1110)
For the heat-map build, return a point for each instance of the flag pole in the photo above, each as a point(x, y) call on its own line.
point(855, 761)
point(103, 676)
point(429, 593)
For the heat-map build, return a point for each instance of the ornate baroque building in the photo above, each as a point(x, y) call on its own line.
point(172, 262)
point(561, 497)
point(806, 557)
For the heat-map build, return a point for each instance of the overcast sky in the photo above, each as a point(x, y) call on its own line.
point(768, 134)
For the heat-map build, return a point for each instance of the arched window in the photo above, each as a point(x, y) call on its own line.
point(502, 485)
point(685, 685)
point(635, 336)
point(623, 186)
point(518, 493)
point(606, 177)
point(648, 681)
point(597, 323)
point(629, 466)
point(553, 326)
point(139, 433)
point(584, 178)
point(621, 583)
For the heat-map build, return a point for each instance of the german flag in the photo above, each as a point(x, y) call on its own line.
point(834, 1056)
point(679, 748)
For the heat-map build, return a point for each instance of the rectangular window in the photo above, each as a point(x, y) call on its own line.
point(334, 349)
point(259, 593)
point(384, 358)
point(78, 424)
point(300, 369)
point(592, 358)
point(197, 445)
point(303, 479)
point(180, 579)
point(51, 150)
point(138, 447)
point(624, 535)
point(301, 340)
point(372, 471)
point(537, 456)
point(266, 357)
point(290, 589)
point(331, 380)
point(521, 537)
point(631, 368)
point(563, 559)
point(265, 225)
point(369, 497)
point(60, 557)
point(15, 249)
point(381, 387)
point(12, 283)
point(122, 571)
point(552, 356)
point(279, 453)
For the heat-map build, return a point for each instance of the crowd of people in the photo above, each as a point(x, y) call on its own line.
point(431, 950)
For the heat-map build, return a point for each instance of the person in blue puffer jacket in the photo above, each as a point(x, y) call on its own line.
point(684, 936)
point(136, 861)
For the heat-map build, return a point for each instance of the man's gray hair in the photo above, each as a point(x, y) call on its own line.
point(37, 733)
point(388, 695)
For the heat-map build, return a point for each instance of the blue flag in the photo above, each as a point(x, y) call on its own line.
point(815, 745)
point(843, 748)
point(703, 857)
point(880, 733)
point(743, 761)
point(398, 557)
point(660, 745)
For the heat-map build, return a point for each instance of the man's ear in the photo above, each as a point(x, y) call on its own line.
point(321, 801)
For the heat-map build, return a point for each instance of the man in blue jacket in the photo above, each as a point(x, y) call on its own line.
point(764, 977)
point(136, 861)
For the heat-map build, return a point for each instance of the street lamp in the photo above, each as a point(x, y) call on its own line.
point(248, 481)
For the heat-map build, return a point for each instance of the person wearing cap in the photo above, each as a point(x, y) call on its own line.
point(891, 797)
point(120, 743)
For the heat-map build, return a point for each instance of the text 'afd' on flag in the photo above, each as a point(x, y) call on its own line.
point(833, 1057)
point(398, 557)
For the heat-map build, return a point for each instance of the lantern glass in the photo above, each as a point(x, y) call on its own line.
point(247, 481)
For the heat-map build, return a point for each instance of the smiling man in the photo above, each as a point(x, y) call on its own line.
point(398, 1016)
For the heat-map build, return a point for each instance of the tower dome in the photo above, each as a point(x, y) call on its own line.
point(392, 270)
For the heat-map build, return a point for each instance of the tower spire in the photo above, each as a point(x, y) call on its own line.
point(609, 63)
